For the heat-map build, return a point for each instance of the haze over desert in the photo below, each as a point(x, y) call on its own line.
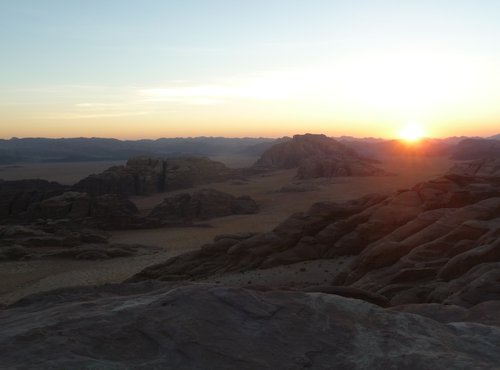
point(260, 185)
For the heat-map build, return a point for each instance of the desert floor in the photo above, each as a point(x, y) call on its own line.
point(26, 277)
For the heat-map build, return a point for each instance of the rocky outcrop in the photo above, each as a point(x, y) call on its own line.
point(202, 204)
point(155, 325)
point(436, 242)
point(472, 149)
point(111, 211)
point(16, 197)
point(61, 239)
point(289, 154)
point(146, 175)
point(478, 168)
point(316, 156)
point(108, 211)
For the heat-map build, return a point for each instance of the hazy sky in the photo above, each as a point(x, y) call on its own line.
point(159, 68)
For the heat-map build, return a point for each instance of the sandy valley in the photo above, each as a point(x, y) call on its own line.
point(27, 277)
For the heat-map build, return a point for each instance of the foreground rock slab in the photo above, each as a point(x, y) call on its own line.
point(156, 325)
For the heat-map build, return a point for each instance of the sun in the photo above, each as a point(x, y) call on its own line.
point(411, 132)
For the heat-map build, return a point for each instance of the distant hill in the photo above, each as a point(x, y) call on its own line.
point(381, 149)
point(472, 149)
point(495, 137)
point(316, 156)
point(103, 149)
point(258, 149)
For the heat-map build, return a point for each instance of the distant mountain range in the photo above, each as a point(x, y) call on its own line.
point(36, 150)
point(101, 149)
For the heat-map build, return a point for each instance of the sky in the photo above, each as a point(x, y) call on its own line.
point(160, 68)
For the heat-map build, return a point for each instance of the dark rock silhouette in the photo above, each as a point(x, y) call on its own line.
point(203, 204)
point(110, 211)
point(16, 197)
point(316, 156)
point(147, 175)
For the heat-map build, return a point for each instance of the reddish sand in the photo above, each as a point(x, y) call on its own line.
point(22, 278)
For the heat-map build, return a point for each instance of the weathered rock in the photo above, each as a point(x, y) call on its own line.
point(72, 205)
point(52, 239)
point(112, 211)
point(147, 175)
point(203, 204)
point(489, 167)
point(484, 313)
point(289, 154)
point(16, 197)
point(316, 156)
point(13, 252)
point(460, 264)
point(472, 149)
point(415, 246)
point(159, 326)
point(350, 292)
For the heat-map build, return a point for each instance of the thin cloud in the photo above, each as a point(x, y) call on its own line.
point(76, 116)
point(263, 86)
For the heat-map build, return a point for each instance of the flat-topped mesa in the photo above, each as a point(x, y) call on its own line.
point(147, 175)
point(316, 156)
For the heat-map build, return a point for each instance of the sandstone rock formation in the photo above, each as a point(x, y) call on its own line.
point(16, 197)
point(436, 242)
point(155, 325)
point(108, 211)
point(472, 149)
point(203, 204)
point(61, 239)
point(316, 156)
point(489, 167)
point(146, 175)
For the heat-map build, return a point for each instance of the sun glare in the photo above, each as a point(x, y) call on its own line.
point(412, 132)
